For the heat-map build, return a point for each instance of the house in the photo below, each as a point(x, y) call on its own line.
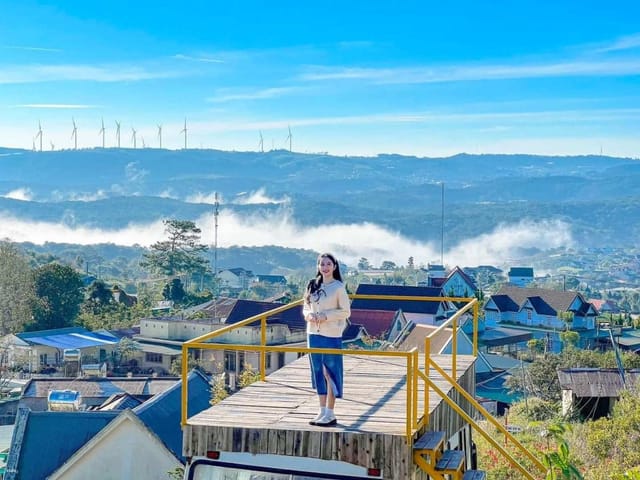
point(36, 351)
point(33, 454)
point(94, 391)
point(458, 284)
point(235, 278)
point(520, 276)
point(270, 279)
point(120, 296)
point(592, 392)
point(427, 313)
point(161, 338)
point(539, 311)
point(383, 325)
point(605, 307)
point(122, 439)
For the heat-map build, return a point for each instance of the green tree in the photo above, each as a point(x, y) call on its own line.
point(59, 294)
point(569, 338)
point(388, 265)
point(363, 264)
point(180, 253)
point(99, 297)
point(174, 290)
point(17, 292)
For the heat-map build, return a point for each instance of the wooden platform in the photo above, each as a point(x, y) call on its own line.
point(273, 416)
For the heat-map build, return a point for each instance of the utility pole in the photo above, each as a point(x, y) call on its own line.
point(215, 258)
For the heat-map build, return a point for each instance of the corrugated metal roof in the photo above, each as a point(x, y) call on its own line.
point(161, 414)
point(99, 387)
point(595, 382)
point(81, 339)
point(38, 455)
point(376, 322)
point(409, 306)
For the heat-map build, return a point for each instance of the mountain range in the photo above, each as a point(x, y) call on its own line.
point(596, 198)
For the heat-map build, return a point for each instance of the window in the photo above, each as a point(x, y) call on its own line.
point(230, 361)
point(153, 357)
point(43, 359)
point(280, 359)
point(267, 360)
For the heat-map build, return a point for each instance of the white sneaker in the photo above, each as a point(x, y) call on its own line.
point(327, 420)
point(317, 419)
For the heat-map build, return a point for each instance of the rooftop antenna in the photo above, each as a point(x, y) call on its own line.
point(261, 143)
point(39, 135)
point(118, 133)
point(442, 230)
point(160, 135)
point(133, 137)
point(74, 134)
point(289, 138)
point(215, 256)
point(184, 130)
point(102, 130)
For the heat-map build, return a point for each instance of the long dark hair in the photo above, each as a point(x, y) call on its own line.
point(316, 282)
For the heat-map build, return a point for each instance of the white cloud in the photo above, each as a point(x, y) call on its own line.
point(348, 242)
point(460, 73)
point(60, 106)
point(12, 74)
point(222, 96)
point(258, 197)
point(197, 58)
point(623, 43)
point(20, 194)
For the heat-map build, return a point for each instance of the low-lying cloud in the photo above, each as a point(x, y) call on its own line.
point(349, 242)
point(20, 194)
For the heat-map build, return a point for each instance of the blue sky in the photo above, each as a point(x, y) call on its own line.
point(349, 77)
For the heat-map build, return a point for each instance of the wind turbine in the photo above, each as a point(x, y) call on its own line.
point(38, 136)
point(118, 133)
point(53, 147)
point(289, 138)
point(74, 134)
point(261, 143)
point(160, 135)
point(142, 140)
point(184, 130)
point(102, 130)
point(133, 137)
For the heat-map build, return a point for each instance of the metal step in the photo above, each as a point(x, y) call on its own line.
point(474, 475)
point(452, 461)
point(430, 441)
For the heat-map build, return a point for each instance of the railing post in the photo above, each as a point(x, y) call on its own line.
point(263, 342)
point(416, 366)
point(185, 366)
point(409, 409)
point(427, 370)
point(455, 347)
point(476, 309)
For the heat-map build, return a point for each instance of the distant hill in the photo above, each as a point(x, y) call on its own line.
point(111, 188)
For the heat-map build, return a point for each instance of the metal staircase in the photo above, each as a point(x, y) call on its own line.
point(430, 455)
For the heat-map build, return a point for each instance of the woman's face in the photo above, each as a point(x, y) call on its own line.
point(326, 267)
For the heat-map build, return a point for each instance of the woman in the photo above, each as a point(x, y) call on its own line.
point(326, 309)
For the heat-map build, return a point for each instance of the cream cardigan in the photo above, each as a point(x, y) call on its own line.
point(331, 300)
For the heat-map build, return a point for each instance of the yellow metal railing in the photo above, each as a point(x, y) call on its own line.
point(414, 421)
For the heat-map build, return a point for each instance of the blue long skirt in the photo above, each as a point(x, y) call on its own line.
point(331, 363)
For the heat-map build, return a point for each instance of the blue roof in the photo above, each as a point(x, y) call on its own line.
point(410, 306)
point(68, 338)
point(495, 389)
point(162, 413)
point(504, 303)
point(39, 456)
point(244, 309)
point(521, 272)
point(541, 307)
